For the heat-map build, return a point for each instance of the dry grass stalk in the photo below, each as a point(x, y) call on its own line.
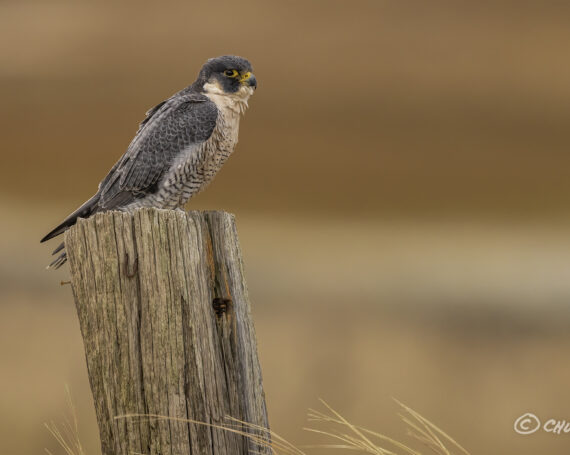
point(68, 435)
point(258, 434)
point(364, 440)
point(348, 435)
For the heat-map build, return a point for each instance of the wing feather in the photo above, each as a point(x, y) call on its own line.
point(169, 128)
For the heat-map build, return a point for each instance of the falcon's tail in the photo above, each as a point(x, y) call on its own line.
point(86, 210)
point(60, 260)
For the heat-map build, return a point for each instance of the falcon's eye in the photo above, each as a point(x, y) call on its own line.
point(231, 73)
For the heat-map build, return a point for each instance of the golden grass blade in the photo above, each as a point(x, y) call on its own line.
point(274, 436)
point(432, 426)
point(330, 446)
point(271, 440)
point(341, 437)
point(363, 439)
point(419, 428)
point(319, 416)
point(357, 439)
point(427, 433)
point(358, 442)
point(68, 436)
point(396, 443)
point(424, 437)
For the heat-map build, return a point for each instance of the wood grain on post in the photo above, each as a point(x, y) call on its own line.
point(165, 319)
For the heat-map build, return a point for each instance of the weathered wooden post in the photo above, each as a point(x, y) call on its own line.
point(165, 318)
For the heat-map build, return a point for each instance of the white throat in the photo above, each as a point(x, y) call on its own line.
point(236, 102)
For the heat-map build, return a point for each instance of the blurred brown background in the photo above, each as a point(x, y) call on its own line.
point(401, 190)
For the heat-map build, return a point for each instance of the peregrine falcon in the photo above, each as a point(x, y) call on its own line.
point(179, 147)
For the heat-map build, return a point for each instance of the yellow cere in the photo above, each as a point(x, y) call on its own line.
point(245, 76)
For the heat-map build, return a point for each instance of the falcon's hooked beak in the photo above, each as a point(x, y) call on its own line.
point(248, 79)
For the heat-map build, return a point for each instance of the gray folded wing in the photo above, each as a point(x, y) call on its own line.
point(169, 128)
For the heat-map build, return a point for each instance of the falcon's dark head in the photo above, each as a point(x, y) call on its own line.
point(228, 74)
